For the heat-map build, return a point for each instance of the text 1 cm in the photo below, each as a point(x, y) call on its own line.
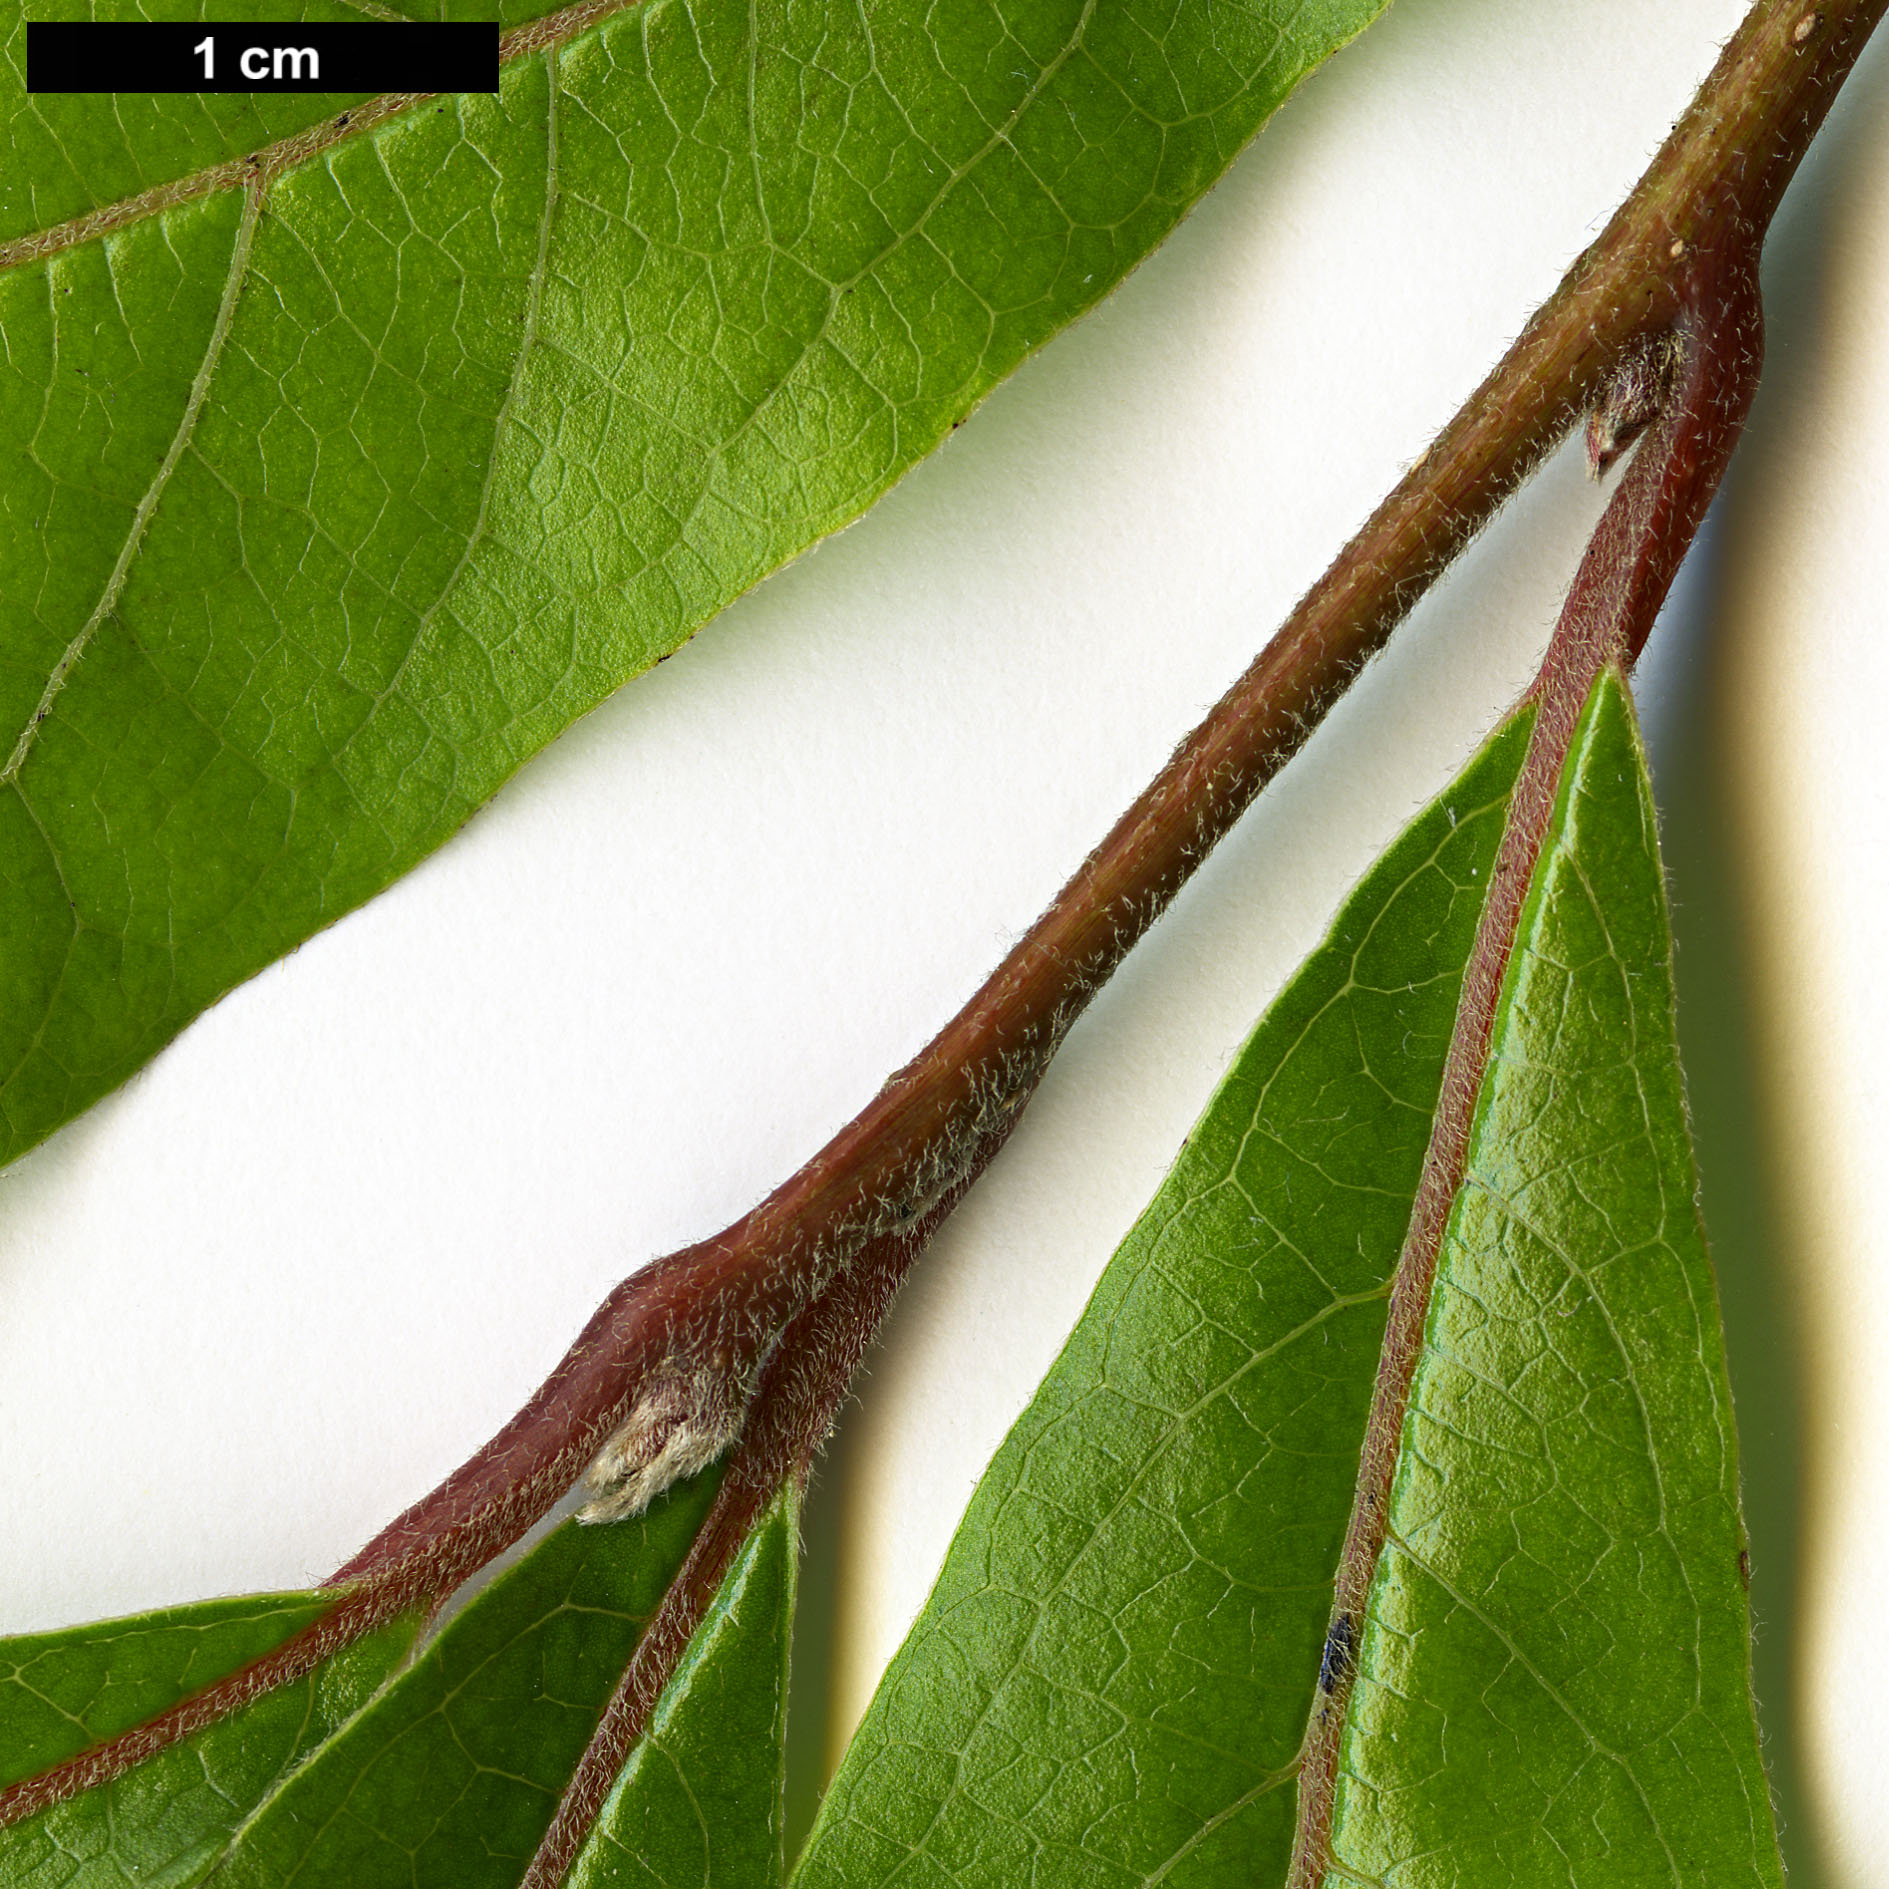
point(263, 62)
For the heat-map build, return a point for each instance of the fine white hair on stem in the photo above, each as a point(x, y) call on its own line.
point(677, 1429)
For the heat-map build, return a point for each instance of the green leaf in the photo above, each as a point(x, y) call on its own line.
point(1111, 1681)
point(448, 1780)
point(453, 1770)
point(166, 1822)
point(700, 1803)
point(61, 157)
point(1554, 1673)
point(63, 1691)
point(1090, 1691)
point(319, 519)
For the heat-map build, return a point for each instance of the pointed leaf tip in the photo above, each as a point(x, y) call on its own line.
point(1132, 1631)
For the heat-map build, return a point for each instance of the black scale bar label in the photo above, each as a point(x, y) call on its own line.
point(217, 56)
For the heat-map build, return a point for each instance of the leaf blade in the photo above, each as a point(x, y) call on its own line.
point(701, 1800)
point(411, 535)
point(1468, 1752)
point(60, 157)
point(1009, 1741)
point(169, 1819)
point(63, 1691)
point(1573, 1395)
point(451, 1775)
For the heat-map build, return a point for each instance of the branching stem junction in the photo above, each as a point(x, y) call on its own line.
point(747, 1341)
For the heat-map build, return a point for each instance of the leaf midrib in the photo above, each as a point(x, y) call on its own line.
point(262, 167)
point(1153, 1458)
point(1486, 976)
point(257, 174)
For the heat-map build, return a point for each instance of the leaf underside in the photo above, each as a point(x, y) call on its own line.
point(383, 1766)
point(1565, 1524)
point(317, 522)
point(700, 1803)
point(1112, 1679)
point(1110, 1682)
point(449, 1778)
point(170, 1819)
point(61, 1692)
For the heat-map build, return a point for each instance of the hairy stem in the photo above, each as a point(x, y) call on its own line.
point(798, 1397)
point(1624, 577)
point(706, 1317)
point(757, 1330)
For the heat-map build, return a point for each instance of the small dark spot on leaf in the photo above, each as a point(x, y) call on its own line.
point(1744, 1568)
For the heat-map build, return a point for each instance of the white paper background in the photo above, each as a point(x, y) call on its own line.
point(280, 1284)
